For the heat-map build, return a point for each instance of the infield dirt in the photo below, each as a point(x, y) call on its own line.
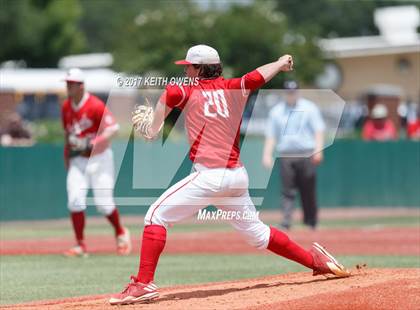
point(372, 241)
point(366, 289)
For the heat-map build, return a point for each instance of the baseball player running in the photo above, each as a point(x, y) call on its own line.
point(213, 110)
point(89, 127)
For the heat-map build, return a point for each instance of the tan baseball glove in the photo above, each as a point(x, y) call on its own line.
point(142, 118)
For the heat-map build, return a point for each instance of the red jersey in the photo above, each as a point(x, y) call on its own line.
point(213, 114)
point(379, 131)
point(413, 129)
point(88, 119)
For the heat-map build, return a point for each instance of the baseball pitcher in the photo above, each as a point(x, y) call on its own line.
point(213, 111)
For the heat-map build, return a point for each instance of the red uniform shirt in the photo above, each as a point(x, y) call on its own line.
point(88, 119)
point(413, 129)
point(213, 113)
point(379, 131)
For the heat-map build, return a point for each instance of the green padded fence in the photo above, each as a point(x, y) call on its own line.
point(354, 173)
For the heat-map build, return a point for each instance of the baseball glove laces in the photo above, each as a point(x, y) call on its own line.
point(142, 118)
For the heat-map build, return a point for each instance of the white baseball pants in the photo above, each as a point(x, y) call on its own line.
point(96, 172)
point(227, 189)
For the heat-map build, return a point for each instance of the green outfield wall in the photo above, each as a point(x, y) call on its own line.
point(354, 173)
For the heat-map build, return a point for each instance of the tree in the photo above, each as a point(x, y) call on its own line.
point(103, 22)
point(156, 37)
point(40, 31)
point(245, 36)
point(251, 36)
point(336, 18)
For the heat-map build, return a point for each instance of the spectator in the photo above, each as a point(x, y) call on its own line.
point(379, 127)
point(296, 130)
point(413, 126)
point(15, 133)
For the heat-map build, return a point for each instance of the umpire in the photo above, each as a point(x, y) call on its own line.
point(296, 130)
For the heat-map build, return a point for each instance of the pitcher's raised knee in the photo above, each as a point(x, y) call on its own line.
point(154, 217)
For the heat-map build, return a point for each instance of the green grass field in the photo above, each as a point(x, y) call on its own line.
point(54, 276)
point(44, 231)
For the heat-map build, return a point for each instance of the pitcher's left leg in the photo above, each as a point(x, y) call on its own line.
point(180, 201)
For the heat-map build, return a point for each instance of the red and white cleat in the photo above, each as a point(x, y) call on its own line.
point(76, 251)
point(325, 263)
point(134, 293)
point(124, 243)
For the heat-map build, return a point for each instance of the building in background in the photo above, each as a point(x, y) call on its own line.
point(378, 69)
point(37, 93)
point(389, 59)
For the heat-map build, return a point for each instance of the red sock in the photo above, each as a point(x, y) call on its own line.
point(154, 238)
point(114, 219)
point(78, 221)
point(281, 244)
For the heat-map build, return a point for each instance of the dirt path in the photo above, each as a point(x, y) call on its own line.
point(378, 241)
point(368, 289)
point(266, 215)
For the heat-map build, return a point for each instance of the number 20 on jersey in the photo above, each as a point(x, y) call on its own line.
point(215, 98)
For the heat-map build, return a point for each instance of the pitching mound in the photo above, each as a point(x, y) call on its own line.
point(366, 289)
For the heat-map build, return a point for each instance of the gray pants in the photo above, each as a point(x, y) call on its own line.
point(299, 174)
